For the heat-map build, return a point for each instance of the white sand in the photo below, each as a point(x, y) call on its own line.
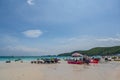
point(62, 71)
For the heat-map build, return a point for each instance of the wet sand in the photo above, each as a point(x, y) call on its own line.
point(62, 71)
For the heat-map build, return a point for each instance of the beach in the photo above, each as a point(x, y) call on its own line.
point(59, 71)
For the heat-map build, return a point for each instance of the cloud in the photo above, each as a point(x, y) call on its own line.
point(24, 49)
point(62, 45)
point(28, 50)
point(68, 10)
point(118, 35)
point(8, 39)
point(32, 33)
point(30, 2)
point(85, 43)
point(109, 39)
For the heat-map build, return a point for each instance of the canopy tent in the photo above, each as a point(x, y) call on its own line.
point(76, 55)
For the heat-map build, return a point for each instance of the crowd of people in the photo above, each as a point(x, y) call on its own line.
point(46, 61)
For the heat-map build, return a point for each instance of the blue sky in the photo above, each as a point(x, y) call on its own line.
point(42, 27)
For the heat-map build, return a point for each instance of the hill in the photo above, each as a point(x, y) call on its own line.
point(96, 51)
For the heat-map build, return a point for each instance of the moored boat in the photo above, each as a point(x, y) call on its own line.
point(75, 62)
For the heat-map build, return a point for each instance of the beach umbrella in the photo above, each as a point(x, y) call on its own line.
point(76, 55)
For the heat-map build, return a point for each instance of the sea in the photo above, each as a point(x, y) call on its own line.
point(29, 58)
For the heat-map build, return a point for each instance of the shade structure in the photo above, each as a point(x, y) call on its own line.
point(76, 55)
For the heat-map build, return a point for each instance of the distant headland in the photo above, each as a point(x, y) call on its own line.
point(96, 51)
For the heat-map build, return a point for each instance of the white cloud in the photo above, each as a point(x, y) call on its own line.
point(32, 33)
point(109, 39)
point(118, 35)
point(26, 49)
point(59, 45)
point(23, 49)
point(84, 43)
point(30, 2)
point(9, 39)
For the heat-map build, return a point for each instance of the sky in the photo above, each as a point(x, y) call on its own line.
point(51, 27)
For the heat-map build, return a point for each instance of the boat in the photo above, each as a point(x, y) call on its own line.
point(74, 62)
point(94, 61)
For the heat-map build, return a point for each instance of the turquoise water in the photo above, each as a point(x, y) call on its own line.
point(25, 58)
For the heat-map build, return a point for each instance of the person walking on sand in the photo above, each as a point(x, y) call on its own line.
point(86, 60)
